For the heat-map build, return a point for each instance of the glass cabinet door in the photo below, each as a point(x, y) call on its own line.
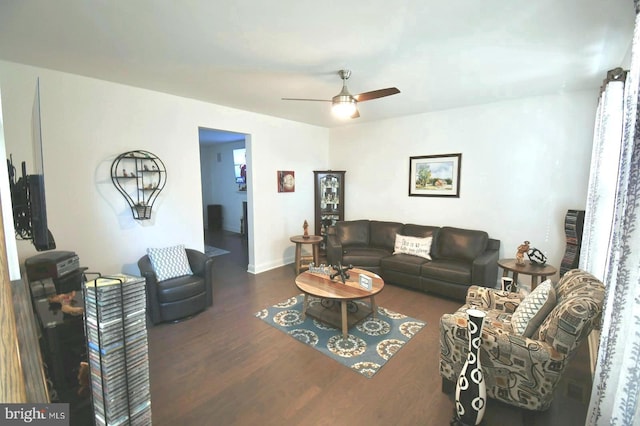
point(329, 201)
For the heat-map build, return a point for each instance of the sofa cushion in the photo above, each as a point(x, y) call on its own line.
point(169, 262)
point(353, 232)
point(383, 234)
point(415, 246)
point(450, 270)
point(461, 244)
point(420, 230)
point(180, 288)
point(495, 321)
point(363, 255)
point(533, 309)
point(405, 263)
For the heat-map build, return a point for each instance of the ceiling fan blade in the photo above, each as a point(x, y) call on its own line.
point(303, 99)
point(375, 94)
point(356, 114)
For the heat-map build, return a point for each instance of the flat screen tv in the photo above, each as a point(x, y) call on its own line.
point(28, 193)
point(30, 208)
point(42, 238)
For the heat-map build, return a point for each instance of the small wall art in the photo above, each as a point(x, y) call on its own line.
point(435, 175)
point(286, 181)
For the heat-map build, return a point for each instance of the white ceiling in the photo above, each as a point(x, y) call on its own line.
point(248, 54)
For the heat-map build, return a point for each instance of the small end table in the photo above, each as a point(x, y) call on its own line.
point(300, 261)
point(535, 271)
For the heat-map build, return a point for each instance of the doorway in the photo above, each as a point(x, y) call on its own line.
point(223, 171)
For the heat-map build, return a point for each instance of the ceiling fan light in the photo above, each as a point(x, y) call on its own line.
point(344, 108)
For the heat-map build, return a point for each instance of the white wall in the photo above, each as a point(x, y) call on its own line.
point(7, 215)
point(219, 185)
point(86, 123)
point(524, 163)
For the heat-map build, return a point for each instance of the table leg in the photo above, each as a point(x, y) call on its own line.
point(316, 254)
point(535, 280)
point(345, 326)
point(298, 257)
point(304, 306)
point(515, 280)
point(374, 308)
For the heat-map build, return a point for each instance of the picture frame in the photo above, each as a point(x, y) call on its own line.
point(366, 282)
point(286, 181)
point(435, 175)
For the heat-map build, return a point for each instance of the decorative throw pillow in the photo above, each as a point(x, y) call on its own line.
point(533, 309)
point(169, 262)
point(413, 245)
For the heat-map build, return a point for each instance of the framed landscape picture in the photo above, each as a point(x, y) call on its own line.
point(435, 175)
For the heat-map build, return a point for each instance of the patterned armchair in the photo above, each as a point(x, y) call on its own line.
point(522, 371)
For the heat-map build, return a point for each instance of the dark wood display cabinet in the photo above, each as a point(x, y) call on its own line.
point(329, 202)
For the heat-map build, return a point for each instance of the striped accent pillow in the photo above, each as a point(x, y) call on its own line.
point(532, 311)
point(169, 262)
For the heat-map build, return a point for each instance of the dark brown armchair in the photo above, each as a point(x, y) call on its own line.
point(177, 298)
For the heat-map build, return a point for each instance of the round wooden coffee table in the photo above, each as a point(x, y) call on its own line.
point(319, 285)
point(536, 271)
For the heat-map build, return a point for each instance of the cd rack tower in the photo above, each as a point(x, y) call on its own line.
point(115, 322)
point(573, 226)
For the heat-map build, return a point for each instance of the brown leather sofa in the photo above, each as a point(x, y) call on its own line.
point(460, 257)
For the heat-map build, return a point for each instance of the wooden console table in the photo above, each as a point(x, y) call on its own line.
point(536, 272)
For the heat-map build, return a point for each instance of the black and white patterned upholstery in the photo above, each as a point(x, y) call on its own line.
point(523, 371)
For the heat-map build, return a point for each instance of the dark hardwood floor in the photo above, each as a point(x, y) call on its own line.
point(226, 367)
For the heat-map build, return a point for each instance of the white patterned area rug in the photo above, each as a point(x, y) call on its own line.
point(214, 251)
point(370, 343)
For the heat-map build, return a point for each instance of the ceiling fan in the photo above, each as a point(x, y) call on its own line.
point(344, 104)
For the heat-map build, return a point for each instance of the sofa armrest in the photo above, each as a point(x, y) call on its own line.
point(484, 270)
point(492, 299)
point(511, 345)
point(197, 262)
point(151, 284)
point(334, 249)
point(202, 266)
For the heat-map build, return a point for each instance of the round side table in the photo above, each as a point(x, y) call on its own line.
point(536, 272)
point(302, 262)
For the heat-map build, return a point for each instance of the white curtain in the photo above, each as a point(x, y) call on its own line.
point(611, 247)
point(603, 179)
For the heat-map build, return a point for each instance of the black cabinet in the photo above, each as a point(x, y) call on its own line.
point(63, 342)
point(214, 217)
point(329, 201)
